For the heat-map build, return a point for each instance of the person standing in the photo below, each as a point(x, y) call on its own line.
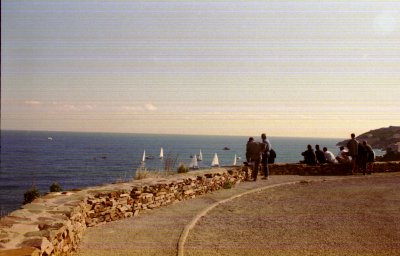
point(251, 139)
point(370, 157)
point(362, 158)
point(254, 150)
point(352, 146)
point(320, 155)
point(266, 147)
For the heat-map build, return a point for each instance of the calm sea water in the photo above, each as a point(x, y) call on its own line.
point(77, 160)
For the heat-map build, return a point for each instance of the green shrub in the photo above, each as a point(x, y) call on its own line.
point(31, 194)
point(228, 184)
point(55, 187)
point(183, 169)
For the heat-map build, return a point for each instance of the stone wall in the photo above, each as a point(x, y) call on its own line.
point(327, 169)
point(54, 224)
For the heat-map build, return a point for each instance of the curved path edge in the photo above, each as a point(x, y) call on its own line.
point(192, 224)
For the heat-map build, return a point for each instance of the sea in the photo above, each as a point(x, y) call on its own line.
point(78, 160)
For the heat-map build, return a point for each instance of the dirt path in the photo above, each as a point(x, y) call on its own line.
point(245, 226)
point(348, 217)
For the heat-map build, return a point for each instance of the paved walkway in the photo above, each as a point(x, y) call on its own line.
point(352, 215)
point(159, 231)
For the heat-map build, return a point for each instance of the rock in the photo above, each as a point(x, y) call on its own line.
point(46, 247)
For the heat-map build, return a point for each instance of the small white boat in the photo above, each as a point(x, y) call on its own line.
point(50, 138)
point(215, 161)
point(161, 153)
point(194, 164)
point(144, 156)
point(200, 157)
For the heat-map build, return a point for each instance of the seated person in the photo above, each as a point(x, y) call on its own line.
point(309, 156)
point(342, 156)
point(320, 155)
point(329, 156)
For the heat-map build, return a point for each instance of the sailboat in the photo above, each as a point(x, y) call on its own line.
point(234, 160)
point(194, 164)
point(161, 153)
point(144, 156)
point(215, 161)
point(200, 157)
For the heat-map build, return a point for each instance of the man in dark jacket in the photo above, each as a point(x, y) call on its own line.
point(320, 155)
point(352, 146)
point(254, 150)
point(309, 156)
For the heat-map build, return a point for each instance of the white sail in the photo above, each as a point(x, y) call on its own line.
point(194, 164)
point(161, 153)
point(234, 160)
point(144, 156)
point(200, 158)
point(215, 161)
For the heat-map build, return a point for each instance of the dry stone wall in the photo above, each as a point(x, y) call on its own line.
point(327, 169)
point(54, 224)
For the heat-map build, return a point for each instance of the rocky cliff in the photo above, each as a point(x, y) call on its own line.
point(381, 138)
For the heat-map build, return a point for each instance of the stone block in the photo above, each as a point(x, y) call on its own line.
point(25, 251)
point(188, 192)
point(46, 247)
point(128, 214)
point(31, 242)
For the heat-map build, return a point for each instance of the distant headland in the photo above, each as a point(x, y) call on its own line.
point(386, 138)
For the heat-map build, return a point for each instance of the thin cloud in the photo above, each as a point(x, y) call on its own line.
point(89, 107)
point(70, 107)
point(32, 102)
point(131, 108)
point(150, 107)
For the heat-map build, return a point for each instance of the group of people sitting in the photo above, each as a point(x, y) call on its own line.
point(318, 156)
point(360, 155)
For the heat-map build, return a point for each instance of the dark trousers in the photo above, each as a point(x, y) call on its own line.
point(265, 167)
point(256, 164)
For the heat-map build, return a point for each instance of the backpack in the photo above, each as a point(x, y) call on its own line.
point(272, 153)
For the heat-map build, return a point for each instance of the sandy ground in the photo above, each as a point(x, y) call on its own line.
point(355, 216)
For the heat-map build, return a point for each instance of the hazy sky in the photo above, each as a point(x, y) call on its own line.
point(299, 68)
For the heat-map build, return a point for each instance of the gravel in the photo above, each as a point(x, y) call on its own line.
point(355, 215)
point(348, 217)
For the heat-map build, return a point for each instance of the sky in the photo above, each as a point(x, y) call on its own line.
point(286, 68)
